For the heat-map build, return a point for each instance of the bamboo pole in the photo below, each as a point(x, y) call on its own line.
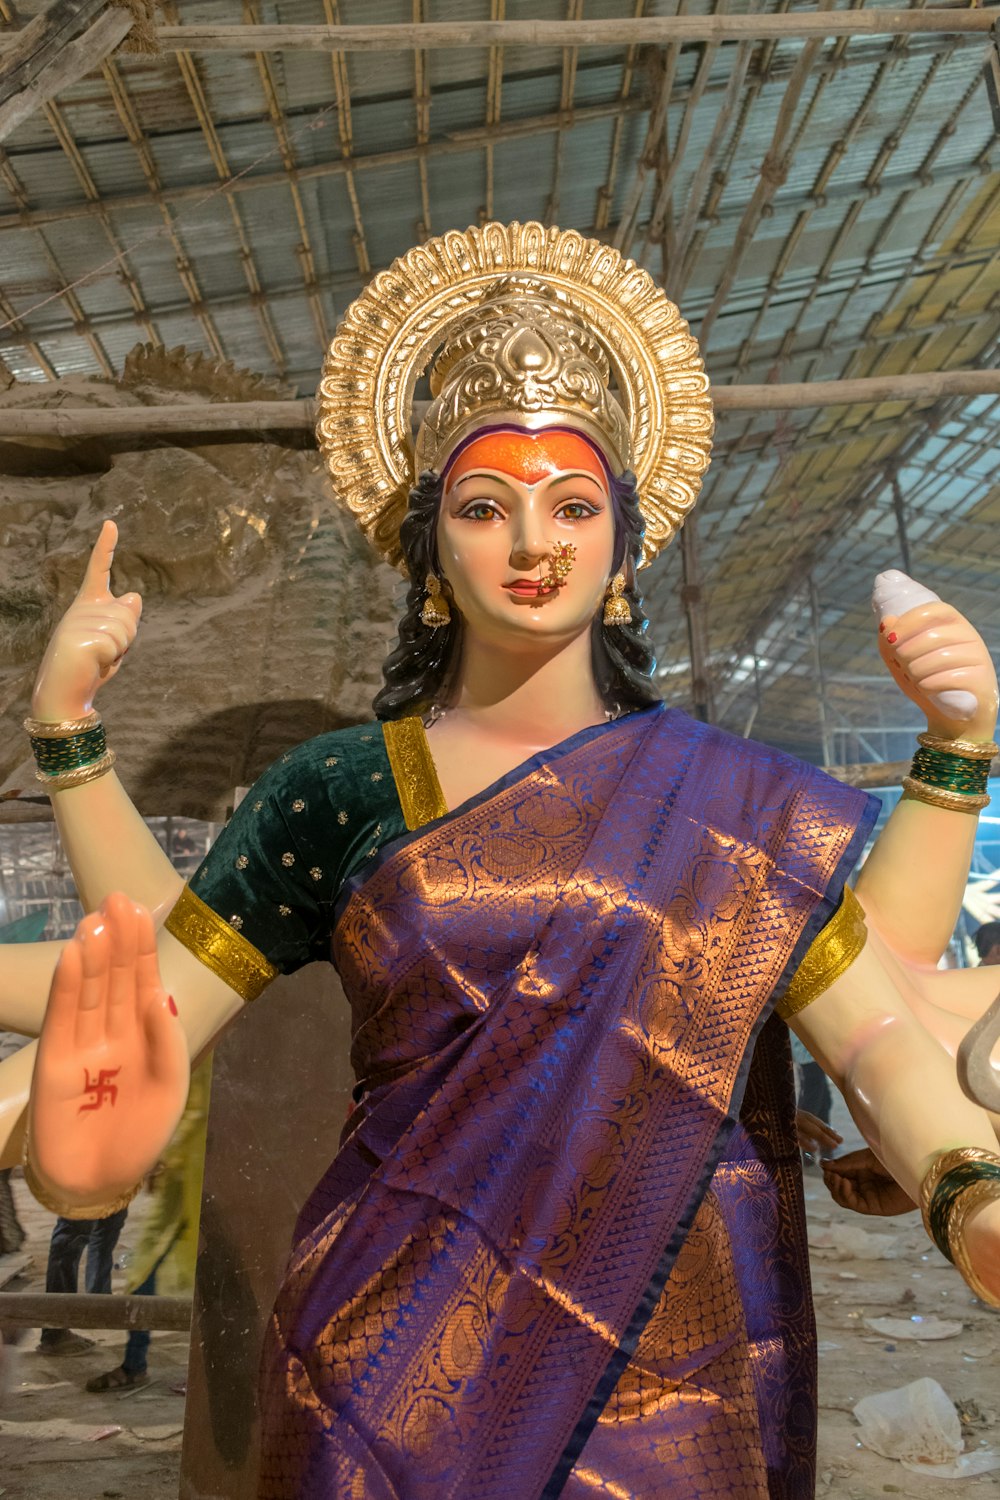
point(260, 417)
point(93, 1310)
point(646, 31)
point(927, 385)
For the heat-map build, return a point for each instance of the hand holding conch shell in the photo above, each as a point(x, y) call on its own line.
point(943, 665)
point(938, 660)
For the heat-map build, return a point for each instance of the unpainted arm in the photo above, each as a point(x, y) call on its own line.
point(965, 994)
point(899, 1084)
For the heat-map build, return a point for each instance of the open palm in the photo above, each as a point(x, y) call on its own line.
point(112, 1072)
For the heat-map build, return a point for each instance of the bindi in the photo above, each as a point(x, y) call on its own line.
point(102, 1090)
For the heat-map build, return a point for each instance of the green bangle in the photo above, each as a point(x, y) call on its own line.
point(947, 1193)
point(54, 757)
point(950, 772)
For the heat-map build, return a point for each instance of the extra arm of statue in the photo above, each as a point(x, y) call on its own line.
point(900, 1086)
point(107, 843)
point(87, 649)
point(109, 1075)
point(913, 882)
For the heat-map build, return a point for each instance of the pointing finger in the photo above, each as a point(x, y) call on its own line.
point(97, 579)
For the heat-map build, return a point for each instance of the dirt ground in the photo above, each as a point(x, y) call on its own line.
point(59, 1443)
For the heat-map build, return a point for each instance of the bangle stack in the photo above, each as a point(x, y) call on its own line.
point(70, 1210)
point(69, 753)
point(958, 1183)
point(950, 773)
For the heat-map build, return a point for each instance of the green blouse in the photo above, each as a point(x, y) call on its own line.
point(262, 900)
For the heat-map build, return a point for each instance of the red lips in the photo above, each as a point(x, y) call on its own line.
point(530, 588)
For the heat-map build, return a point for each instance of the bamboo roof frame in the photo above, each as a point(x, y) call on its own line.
point(653, 31)
point(258, 417)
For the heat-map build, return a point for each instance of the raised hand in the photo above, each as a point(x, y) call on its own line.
point(90, 640)
point(931, 650)
point(112, 1072)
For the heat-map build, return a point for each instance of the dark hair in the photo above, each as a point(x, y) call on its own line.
point(987, 937)
point(417, 673)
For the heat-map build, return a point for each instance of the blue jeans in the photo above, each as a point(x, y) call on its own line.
point(137, 1343)
point(70, 1238)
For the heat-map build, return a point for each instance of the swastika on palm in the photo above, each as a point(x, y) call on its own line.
point(101, 1088)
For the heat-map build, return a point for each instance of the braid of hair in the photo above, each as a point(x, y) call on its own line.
point(622, 655)
point(414, 671)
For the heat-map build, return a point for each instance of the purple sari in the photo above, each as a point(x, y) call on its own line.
point(562, 1249)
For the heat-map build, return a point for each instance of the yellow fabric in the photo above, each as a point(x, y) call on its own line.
point(219, 946)
point(830, 954)
point(414, 772)
point(170, 1233)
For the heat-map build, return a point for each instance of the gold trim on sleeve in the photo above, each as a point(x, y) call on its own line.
point(219, 947)
point(830, 954)
point(414, 772)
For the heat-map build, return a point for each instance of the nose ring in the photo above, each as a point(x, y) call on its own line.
point(561, 560)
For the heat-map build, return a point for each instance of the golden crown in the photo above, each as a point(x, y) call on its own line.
point(519, 324)
point(522, 356)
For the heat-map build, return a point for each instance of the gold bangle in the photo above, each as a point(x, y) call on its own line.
point(974, 1196)
point(936, 796)
point(957, 1156)
point(79, 776)
point(70, 1210)
point(970, 749)
point(44, 729)
point(947, 1162)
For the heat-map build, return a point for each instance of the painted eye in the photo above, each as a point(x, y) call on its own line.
point(480, 510)
point(575, 510)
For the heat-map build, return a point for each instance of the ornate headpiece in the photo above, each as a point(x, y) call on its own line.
point(523, 325)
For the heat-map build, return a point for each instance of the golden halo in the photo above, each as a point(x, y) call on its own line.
point(390, 334)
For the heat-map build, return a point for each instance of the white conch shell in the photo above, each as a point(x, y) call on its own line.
point(894, 593)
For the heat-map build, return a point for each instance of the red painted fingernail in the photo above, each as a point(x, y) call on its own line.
point(892, 638)
point(173, 1007)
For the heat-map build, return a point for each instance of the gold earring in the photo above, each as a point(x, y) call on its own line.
point(617, 610)
point(435, 612)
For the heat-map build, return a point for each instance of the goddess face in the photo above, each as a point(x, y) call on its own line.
point(510, 498)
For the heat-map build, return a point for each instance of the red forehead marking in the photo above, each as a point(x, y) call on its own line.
point(528, 456)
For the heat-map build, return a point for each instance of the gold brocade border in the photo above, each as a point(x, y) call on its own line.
point(414, 772)
point(830, 954)
point(219, 947)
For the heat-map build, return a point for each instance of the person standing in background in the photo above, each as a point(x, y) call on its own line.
point(987, 941)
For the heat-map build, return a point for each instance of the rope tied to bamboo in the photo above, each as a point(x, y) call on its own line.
point(142, 37)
